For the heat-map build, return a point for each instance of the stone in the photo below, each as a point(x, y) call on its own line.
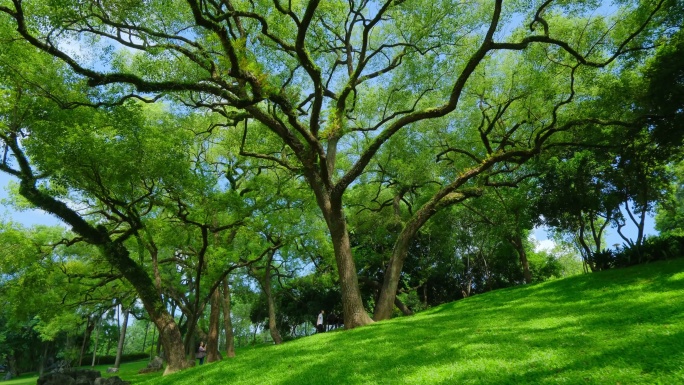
point(90, 374)
point(60, 366)
point(112, 370)
point(71, 377)
point(56, 379)
point(155, 365)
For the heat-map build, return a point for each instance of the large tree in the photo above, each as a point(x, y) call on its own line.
point(78, 165)
point(335, 81)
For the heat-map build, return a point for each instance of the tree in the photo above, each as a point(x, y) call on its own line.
point(54, 292)
point(335, 81)
point(68, 148)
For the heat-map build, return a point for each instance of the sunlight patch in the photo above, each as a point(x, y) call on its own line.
point(677, 277)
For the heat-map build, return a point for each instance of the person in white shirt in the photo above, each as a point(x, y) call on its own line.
point(319, 322)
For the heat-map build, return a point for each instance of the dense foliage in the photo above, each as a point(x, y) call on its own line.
point(227, 169)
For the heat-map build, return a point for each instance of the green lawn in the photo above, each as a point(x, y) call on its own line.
point(617, 327)
point(127, 371)
point(622, 326)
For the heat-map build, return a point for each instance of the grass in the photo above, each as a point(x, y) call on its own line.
point(622, 326)
point(127, 371)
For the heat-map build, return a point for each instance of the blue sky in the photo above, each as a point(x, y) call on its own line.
point(38, 217)
point(27, 217)
point(612, 237)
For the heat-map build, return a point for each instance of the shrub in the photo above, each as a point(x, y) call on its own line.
point(653, 249)
point(109, 360)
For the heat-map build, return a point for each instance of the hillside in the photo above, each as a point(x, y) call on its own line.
point(622, 326)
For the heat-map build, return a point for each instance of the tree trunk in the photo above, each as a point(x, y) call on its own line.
point(147, 329)
point(98, 326)
point(401, 306)
point(212, 338)
point(116, 255)
point(86, 339)
point(227, 321)
point(390, 283)
point(12, 363)
point(587, 250)
point(43, 358)
point(122, 339)
point(425, 291)
point(189, 343)
point(159, 347)
point(154, 333)
point(352, 306)
point(266, 286)
point(519, 247)
point(272, 325)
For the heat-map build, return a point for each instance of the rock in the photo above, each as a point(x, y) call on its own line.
point(155, 365)
point(72, 377)
point(88, 375)
point(112, 370)
point(60, 366)
point(56, 379)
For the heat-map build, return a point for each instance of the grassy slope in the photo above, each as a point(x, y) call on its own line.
point(623, 326)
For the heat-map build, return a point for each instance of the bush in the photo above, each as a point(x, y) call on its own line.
point(109, 360)
point(653, 249)
point(605, 259)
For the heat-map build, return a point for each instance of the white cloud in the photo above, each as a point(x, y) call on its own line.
point(545, 244)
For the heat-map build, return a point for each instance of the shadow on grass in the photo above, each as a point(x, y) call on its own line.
point(622, 326)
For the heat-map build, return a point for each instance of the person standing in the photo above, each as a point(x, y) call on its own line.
point(319, 322)
point(201, 352)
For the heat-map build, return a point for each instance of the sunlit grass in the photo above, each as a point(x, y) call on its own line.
point(617, 327)
point(623, 326)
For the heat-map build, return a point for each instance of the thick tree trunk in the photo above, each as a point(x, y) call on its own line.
point(172, 343)
point(354, 313)
point(170, 337)
point(390, 283)
point(227, 322)
point(352, 305)
point(122, 339)
point(117, 256)
point(213, 337)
